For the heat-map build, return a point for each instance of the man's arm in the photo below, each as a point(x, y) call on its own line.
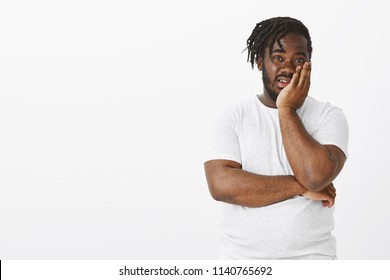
point(229, 183)
point(314, 165)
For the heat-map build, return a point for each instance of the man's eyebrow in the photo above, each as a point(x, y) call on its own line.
point(281, 50)
point(301, 53)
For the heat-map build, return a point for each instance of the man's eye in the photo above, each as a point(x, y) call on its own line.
point(300, 60)
point(278, 58)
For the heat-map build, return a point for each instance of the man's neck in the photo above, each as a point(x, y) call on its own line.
point(266, 101)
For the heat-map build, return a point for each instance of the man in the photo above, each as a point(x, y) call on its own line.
point(273, 157)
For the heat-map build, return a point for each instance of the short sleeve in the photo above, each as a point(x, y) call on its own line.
point(333, 130)
point(222, 139)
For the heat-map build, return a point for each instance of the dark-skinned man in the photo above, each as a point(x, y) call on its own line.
point(273, 157)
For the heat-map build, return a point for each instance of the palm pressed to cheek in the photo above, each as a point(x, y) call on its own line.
point(293, 96)
point(275, 79)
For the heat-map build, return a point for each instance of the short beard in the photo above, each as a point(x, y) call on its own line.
point(267, 85)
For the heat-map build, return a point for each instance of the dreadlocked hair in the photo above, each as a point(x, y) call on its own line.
point(270, 30)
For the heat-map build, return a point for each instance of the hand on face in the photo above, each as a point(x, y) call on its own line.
point(295, 93)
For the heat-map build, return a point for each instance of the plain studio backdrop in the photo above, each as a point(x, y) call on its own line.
point(104, 107)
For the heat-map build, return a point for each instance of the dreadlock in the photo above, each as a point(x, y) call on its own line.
point(270, 30)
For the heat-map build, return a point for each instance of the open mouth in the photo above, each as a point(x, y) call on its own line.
point(282, 82)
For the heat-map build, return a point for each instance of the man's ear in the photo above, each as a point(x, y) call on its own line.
point(260, 63)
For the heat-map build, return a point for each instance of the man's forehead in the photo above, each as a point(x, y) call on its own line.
point(291, 41)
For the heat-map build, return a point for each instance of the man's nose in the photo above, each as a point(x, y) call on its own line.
point(288, 66)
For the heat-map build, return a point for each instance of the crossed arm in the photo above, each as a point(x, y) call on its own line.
point(315, 166)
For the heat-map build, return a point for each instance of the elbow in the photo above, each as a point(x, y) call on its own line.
point(215, 194)
point(218, 175)
point(316, 182)
point(216, 191)
point(218, 187)
point(316, 179)
point(319, 176)
point(315, 185)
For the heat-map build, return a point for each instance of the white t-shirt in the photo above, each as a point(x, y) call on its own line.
point(248, 132)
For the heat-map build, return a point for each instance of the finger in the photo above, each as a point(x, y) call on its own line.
point(305, 75)
point(296, 75)
point(331, 203)
point(332, 192)
point(331, 189)
point(304, 79)
point(328, 193)
point(327, 203)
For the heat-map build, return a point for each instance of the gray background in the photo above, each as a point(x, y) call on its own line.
point(104, 107)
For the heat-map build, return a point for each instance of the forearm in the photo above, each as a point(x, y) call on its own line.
point(236, 186)
point(313, 165)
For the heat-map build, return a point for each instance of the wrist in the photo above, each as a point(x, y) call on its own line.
point(286, 110)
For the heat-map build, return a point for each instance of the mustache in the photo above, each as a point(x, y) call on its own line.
point(288, 76)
